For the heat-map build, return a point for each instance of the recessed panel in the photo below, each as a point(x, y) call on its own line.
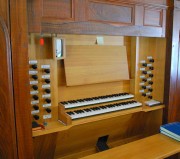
point(152, 17)
point(109, 12)
point(60, 9)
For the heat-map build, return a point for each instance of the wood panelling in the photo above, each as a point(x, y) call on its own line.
point(153, 17)
point(121, 130)
point(172, 90)
point(19, 43)
point(4, 11)
point(97, 17)
point(95, 64)
point(8, 143)
point(34, 11)
point(44, 146)
point(57, 9)
point(110, 13)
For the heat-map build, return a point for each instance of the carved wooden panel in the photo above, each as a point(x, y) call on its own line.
point(110, 12)
point(153, 17)
point(58, 9)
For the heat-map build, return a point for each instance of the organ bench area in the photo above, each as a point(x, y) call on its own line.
point(95, 91)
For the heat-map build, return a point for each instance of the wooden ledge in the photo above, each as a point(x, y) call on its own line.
point(57, 126)
point(154, 147)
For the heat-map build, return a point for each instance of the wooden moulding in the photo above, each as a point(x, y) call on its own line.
point(65, 118)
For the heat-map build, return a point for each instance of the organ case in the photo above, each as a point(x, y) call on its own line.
point(77, 138)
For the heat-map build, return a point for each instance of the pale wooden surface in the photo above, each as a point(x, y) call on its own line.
point(95, 64)
point(154, 147)
point(57, 126)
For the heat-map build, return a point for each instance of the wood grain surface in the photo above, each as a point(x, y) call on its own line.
point(157, 146)
point(19, 43)
point(8, 145)
point(95, 64)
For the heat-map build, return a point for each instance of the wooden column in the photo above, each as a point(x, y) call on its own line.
point(172, 88)
point(19, 42)
point(7, 123)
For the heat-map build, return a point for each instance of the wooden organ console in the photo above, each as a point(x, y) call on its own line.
point(76, 109)
point(95, 74)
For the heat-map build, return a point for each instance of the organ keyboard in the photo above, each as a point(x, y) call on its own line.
point(96, 100)
point(103, 109)
point(70, 110)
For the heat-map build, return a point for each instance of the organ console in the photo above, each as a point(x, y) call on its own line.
point(105, 84)
point(94, 86)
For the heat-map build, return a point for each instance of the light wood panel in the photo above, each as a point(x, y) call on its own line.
point(95, 64)
point(154, 47)
point(81, 139)
point(91, 39)
point(57, 126)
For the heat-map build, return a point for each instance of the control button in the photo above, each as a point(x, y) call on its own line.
point(47, 90)
point(35, 87)
point(35, 107)
point(34, 66)
point(35, 77)
point(47, 80)
point(151, 75)
point(143, 87)
point(144, 64)
point(150, 97)
point(35, 97)
point(150, 89)
point(48, 110)
point(144, 72)
point(151, 68)
point(151, 60)
point(48, 100)
point(144, 80)
point(36, 117)
point(144, 94)
point(47, 70)
point(150, 82)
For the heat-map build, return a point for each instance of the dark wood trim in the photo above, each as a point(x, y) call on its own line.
point(172, 88)
point(7, 124)
point(19, 42)
point(101, 29)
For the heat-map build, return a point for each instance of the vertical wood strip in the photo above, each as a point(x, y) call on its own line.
point(7, 123)
point(20, 77)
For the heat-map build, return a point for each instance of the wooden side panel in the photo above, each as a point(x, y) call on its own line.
point(8, 143)
point(19, 44)
point(173, 67)
point(110, 12)
point(44, 146)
